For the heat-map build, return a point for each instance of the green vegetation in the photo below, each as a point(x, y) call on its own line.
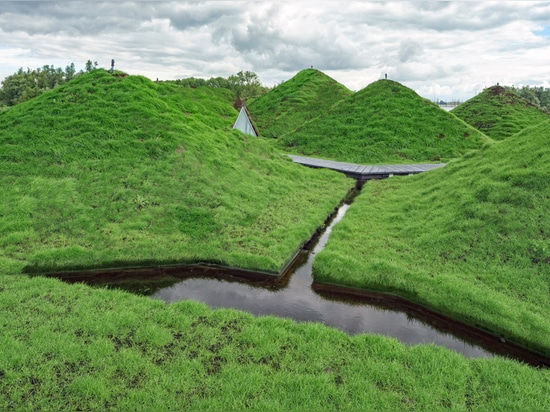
point(245, 84)
point(500, 112)
point(114, 170)
point(471, 240)
point(385, 122)
point(288, 106)
point(27, 84)
point(72, 347)
point(539, 96)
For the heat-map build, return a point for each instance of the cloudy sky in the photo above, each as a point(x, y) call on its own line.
point(442, 50)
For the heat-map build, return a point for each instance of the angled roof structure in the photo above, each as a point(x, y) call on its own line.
point(244, 124)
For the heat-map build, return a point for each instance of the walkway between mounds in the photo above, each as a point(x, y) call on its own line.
point(364, 172)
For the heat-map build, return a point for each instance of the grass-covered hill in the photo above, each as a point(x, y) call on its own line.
point(307, 95)
point(115, 170)
point(151, 173)
point(471, 240)
point(500, 113)
point(385, 122)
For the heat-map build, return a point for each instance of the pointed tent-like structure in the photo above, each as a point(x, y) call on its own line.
point(244, 124)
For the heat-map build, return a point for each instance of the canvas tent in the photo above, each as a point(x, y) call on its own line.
point(244, 124)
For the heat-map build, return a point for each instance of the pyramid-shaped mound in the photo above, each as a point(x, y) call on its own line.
point(471, 239)
point(121, 171)
point(500, 112)
point(382, 123)
point(289, 105)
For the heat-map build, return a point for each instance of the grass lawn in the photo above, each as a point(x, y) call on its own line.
point(72, 347)
point(471, 240)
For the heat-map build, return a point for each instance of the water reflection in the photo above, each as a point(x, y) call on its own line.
point(296, 299)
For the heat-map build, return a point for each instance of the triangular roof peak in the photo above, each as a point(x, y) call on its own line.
point(244, 124)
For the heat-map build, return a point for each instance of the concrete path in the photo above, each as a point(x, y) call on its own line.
point(363, 172)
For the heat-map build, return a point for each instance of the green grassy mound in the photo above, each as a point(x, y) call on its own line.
point(500, 112)
point(385, 122)
point(71, 347)
point(120, 171)
point(471, 240)
point(307, 95)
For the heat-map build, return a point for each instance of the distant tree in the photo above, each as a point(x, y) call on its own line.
point(70, 72)
point(219, 82)
point(90, 66)
point(27, 84)
point(529, 94)
point(539, 96)
point(191, 82)
point(245, 84)
point(13, 87)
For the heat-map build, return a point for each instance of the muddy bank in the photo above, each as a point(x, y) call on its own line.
point(492, 343)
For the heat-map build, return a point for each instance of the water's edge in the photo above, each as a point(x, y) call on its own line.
point(150, 280)
point(493, 343)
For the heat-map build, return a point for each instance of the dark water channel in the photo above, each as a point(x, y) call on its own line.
point(296, 296)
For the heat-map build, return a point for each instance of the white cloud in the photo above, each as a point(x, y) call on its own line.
point(451, 49)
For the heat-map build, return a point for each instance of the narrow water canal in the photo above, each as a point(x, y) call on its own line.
point(296, 299)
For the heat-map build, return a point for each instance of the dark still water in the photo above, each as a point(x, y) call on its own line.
point(294, 298)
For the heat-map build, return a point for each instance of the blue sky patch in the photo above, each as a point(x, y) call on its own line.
point(544, 32)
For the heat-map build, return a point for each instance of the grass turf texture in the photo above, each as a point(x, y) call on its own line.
point(110, 171)
point(308, 95)
point(471, 240)
point(500, 112)
point(72, 347)
point(385, 122)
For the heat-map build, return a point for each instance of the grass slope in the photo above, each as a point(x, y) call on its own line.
point(309, 94)
point(71, 347)
point(385, 122)
point(120, 171)
point(500, 112)
point(471, 240)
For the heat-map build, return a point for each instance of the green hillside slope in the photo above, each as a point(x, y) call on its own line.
point(471, 240)
point(289, 105)
point(385, 122)
point(117, 171)
point(500, 112)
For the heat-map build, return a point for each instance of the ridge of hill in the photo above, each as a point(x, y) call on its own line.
point(305, 96)
point(385, 122)
point(500, 112)
point(471, 240)
point(115, 170)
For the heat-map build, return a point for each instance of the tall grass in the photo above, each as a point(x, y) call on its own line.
point(471, 240)
point(71, 347)
point(118, 170)
point(384, 123)
point(307, 95)
point(110, 171)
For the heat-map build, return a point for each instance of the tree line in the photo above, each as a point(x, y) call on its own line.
point(539, 96)
point(26, 84)
point(245, 84)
